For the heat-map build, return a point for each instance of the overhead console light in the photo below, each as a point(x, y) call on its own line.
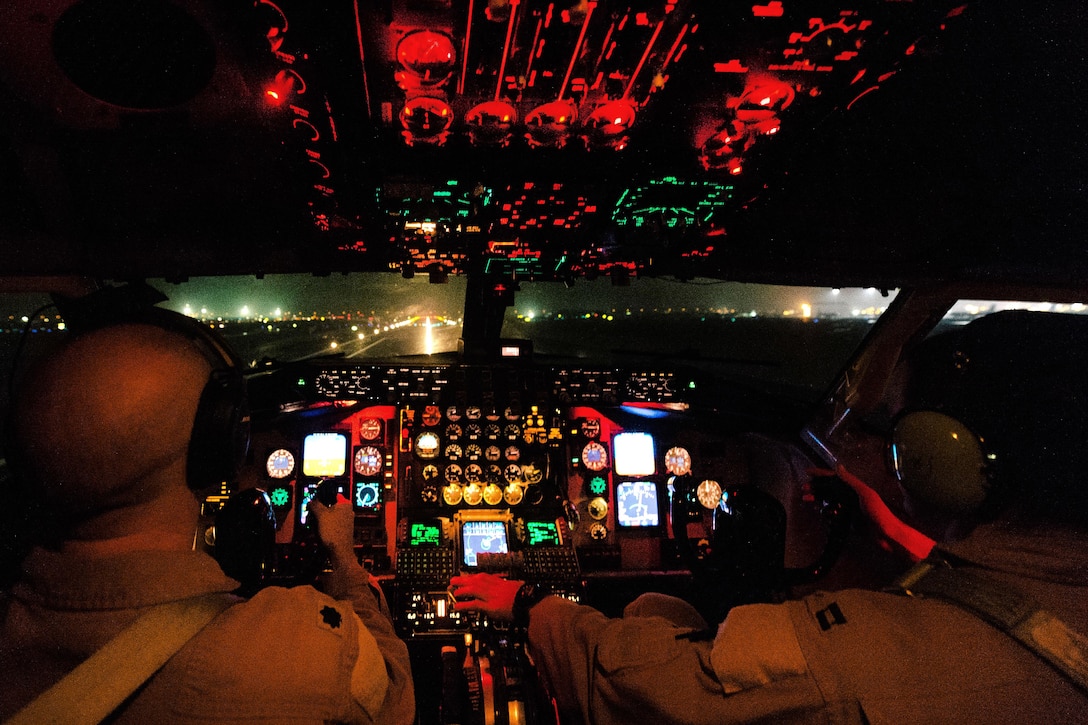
point(427, 59)
point(426, 120)
point(550, 124)
point(491, 123)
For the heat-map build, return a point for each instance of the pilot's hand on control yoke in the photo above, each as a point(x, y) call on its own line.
point(487, 593)
point(336, 529)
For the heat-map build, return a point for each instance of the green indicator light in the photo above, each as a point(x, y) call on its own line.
point(279, 496)
point(691, 385)
point(302, 382)
point(443, 193)
point(598, 486)
point(451, 182)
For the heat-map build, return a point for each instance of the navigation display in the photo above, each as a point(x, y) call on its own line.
point(482, 537)
point(543, 533)
point(633, 454)
point(424, 533)
point(636, 504)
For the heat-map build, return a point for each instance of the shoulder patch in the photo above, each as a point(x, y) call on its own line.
point(331, 617)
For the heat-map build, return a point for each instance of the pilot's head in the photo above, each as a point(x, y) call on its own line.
point(104, 423)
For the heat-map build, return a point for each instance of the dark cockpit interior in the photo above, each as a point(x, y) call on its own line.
point(926, 154)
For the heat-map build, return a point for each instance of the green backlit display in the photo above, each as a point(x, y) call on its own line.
point(424, 533)
point(543, 533)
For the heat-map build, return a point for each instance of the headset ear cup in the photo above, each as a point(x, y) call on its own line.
point(220, 437)
point(940, 462)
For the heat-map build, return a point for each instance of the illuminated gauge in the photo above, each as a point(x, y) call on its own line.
point(452, 494)
point(512, 473)
point(453, 452)
point(709, 493)
point(511, 413)
point(429, 494)
point(513, 494)
point(430, 472)
point(280, 463)
point(473, 452)
point(453, 414)
point(367, 495)
point(598, 532)
point(532, 474)
point(453, 431)
point(598, 508)
point(473, 432)
point(594, 456)
point(370, 429)
point(368, 461)
point(591, 427)
point(512, 453)
point(431, 415)
point(474, 493)
point(329, 383)
point(453, 473)
point(492, 414)
point(598, 486)
point(492, 432)
point(474, 473)
point(279, 496)
point(677, 461)
point(494, 474)
point(512, 432)
point(492, 494)
point(492, 453)
point(473, 412)
point(427, 445)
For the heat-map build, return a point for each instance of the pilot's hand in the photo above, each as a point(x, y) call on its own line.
point(336, 528)
point(487, 593)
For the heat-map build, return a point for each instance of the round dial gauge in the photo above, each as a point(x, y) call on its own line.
point(513, 494)
point(598, 531)
point(492, 494)
point(431, 415)
point(368, 461)
point(452, 494)
point(511, 432)
point(473, 473)
point(512, 473)
point(591, 427)
point(368, 495)
point(494, 473)
point(453, 413)
point(492, 453)
point(512, 412)
point(491, 413)
point(453, 473)
point(709, 493)
point(678, 461)
point(473, 412)
point(453, 452)
point(594, 456)
point(427, 445)
point(428, 494)
point(513, 453)
point(598, 508)
point(473, 432)
point(473, 452)
point(474, 493)
point(430, 472)
point(492, 431)
point(370, 429)
point(531, 473)
point(280, 463)
point(453, 431)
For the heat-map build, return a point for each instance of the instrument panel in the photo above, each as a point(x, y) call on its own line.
point(548, 473)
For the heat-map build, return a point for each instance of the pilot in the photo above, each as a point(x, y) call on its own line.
point(104, 425)
point(988, 628)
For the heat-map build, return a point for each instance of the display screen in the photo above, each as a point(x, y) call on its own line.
point(324, 455)
point(368, 495)
point(543, 533)
point(482, 537)
point(328, 496)
point(633, 454)
point(424, 533)
point(636, 504)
